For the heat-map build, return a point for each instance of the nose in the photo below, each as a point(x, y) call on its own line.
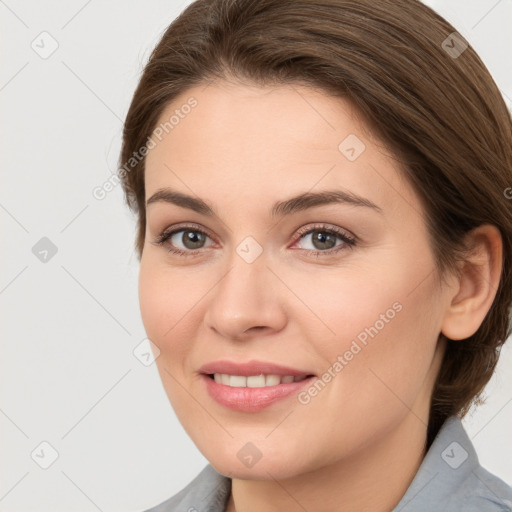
point(247, 301)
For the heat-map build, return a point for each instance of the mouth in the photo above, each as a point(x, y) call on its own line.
point(252, 373)
point(253, 386)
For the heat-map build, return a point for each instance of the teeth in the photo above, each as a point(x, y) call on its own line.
point(254, 381)
point(272, 380)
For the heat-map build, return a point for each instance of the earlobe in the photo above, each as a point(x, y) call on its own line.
point(477, 284)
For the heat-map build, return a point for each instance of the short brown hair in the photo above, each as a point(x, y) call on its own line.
point(439, 112)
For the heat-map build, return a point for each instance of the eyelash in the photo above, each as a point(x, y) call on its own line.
point(348, 242)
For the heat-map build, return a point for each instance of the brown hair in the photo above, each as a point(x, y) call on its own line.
point(440, 113)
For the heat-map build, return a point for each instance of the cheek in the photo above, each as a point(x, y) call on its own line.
point(166, 299)
point(172, 304)
point(384, 321)
point(153, 301)
point(387, 343)
point(337, 307)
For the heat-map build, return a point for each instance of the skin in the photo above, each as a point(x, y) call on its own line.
point(360, 441)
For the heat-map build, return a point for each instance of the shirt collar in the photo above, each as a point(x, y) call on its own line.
point(449, 461)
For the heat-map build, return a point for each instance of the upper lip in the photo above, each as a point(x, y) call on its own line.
point(251, 368)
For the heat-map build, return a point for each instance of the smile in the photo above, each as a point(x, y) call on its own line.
point(242, 395)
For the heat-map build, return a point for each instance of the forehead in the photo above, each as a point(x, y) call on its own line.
point(250, 141)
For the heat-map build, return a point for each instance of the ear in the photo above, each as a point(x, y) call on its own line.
point(477, 284)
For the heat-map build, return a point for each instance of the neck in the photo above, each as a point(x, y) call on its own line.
point(375, 478)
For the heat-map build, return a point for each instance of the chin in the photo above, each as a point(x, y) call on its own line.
point(234, 461)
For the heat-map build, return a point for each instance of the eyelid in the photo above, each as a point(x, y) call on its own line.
point(319, 226)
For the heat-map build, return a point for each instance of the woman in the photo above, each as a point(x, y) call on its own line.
point(325, 244)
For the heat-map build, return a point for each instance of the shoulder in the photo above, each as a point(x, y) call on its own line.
point(451, 479)
point(484, 491)
point(208, 492)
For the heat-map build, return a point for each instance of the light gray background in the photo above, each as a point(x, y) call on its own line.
point(70, 324)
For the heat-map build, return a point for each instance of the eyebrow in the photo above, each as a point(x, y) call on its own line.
point(297, 203)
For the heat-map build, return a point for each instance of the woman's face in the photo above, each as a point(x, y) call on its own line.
point(341, 286)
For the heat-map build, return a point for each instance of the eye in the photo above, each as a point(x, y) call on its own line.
point(191, 238)
point(325, 239)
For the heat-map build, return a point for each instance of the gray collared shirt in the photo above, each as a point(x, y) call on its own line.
point(450, 479)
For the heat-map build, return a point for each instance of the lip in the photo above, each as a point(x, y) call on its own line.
point(251, 368)
point(252, 399)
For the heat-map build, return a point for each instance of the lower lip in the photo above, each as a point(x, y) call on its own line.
point(252, 399)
